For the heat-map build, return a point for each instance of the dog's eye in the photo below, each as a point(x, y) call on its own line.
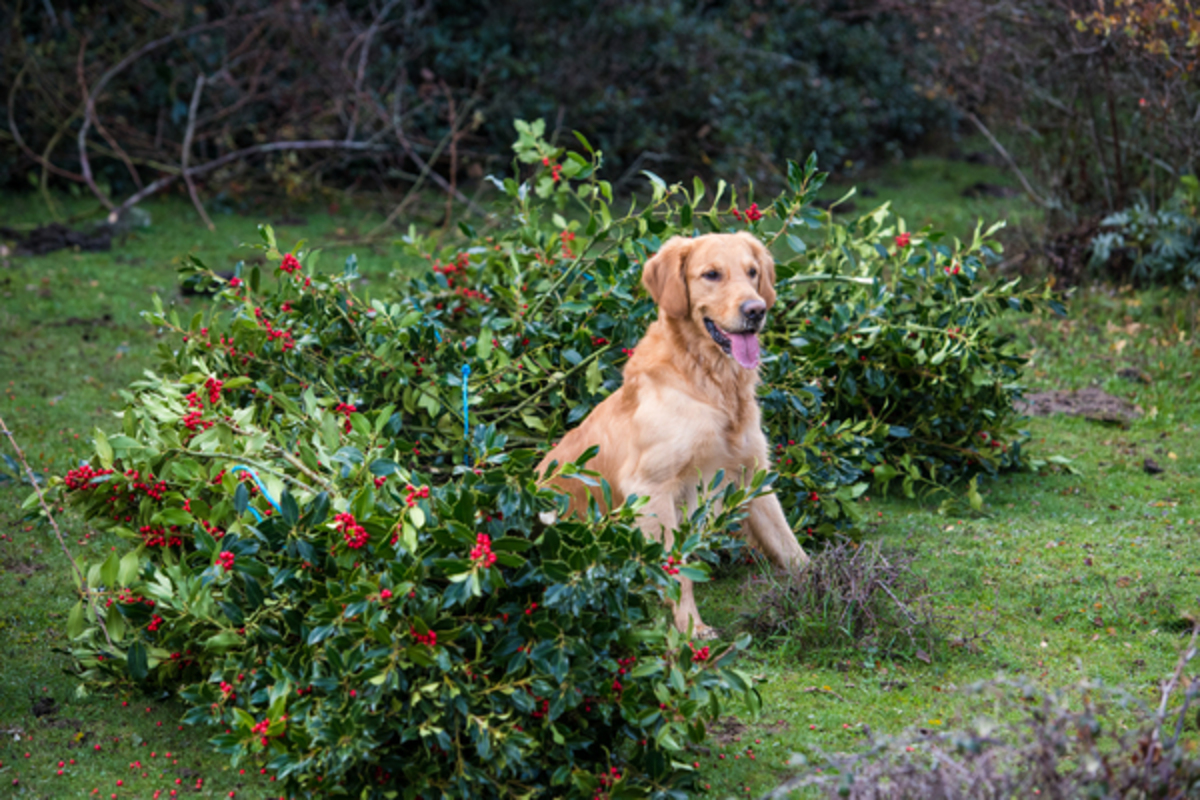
point(712, 275)
point(753, 272)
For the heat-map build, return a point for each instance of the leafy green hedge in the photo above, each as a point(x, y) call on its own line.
point(331, 561)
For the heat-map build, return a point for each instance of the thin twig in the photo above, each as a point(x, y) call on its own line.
point(228, 158)
point(362, 65)
point(823, 690)
point(1008, 160)
point(16, 133)
point(187, 152)
point(89, 96)
point(398, 130)
point(85, 165)
point(57, 532)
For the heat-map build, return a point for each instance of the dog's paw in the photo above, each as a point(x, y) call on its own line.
point(705, 634)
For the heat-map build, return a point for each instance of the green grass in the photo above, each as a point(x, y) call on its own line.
point(1052, 554)
point(928, 190)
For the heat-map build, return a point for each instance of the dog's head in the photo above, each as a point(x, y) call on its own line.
point(721, 282)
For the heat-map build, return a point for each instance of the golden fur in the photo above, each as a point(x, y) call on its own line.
point(687, 408)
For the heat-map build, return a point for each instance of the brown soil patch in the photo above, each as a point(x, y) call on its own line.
point(1090, 403)
point(726, 729)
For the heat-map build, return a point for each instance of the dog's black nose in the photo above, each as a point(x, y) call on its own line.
point(754, 311)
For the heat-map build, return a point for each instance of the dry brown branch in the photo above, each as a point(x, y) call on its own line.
point(364, 51)
point(89, 96)
point(79, 577)
point(103, 131)
point(1033, 195)
point(187, 152)
point(237, 155)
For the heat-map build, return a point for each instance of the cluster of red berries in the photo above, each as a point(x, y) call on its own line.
point(670, 567)
point(954, 270)
point(412, 494)
point(427, 639)
point(813, 497)
point(211, 529)
point(751, 214)
point(459, 265)
point(598, 341)
point(568, 237)
point(543, 712)
point(555, 169)
point(230, 348)
point(193, 422)
point(607, 779)
point(354, 534)
point(214, 386)
point(155, 490)
point(127, 597)
point(470, 294)
point(226, 560)
point(260, 729)
point(155, 622)
point(227, 691)
point(904, 240)
point(627, 351)
point(482, 553)
point(82, 477)
point(273, 333)
point(699, 655)
point(990, 441)
point(159, 537)
point(345, 409)
point(385, 594)
point(290, 264)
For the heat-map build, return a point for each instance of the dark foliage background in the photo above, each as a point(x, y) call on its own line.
point(673, 86)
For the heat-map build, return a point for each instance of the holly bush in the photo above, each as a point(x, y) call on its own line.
point(338, 552)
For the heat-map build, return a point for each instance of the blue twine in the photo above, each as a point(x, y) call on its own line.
point(466, 375)
point(261, 487)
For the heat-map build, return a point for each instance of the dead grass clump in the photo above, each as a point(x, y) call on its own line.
point(861, 597)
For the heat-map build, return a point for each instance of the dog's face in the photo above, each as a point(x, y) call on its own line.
point(723, 283)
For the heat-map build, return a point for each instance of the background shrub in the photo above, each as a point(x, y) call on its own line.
point(724, 87)
point(1153, 247)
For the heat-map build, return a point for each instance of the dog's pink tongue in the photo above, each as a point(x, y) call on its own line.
point(745, 348)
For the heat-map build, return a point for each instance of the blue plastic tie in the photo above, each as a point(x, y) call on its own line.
point(466, 376)
point(261, 487)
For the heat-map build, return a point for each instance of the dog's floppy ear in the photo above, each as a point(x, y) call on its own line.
point(766, 268)
point(663, 276)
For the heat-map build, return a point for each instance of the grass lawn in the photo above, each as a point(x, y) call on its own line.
point(1072, 575)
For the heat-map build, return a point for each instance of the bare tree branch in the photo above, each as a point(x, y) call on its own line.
point(89, 96)
point(1008, 160)
point(187, 152)
point(237, 155)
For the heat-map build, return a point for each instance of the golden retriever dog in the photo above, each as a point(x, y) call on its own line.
point(687, 408)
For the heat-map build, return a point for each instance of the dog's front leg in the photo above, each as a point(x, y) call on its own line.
point(659, 519)
point(767, 529)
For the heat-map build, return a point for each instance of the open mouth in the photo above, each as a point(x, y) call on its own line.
point(743, 346)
